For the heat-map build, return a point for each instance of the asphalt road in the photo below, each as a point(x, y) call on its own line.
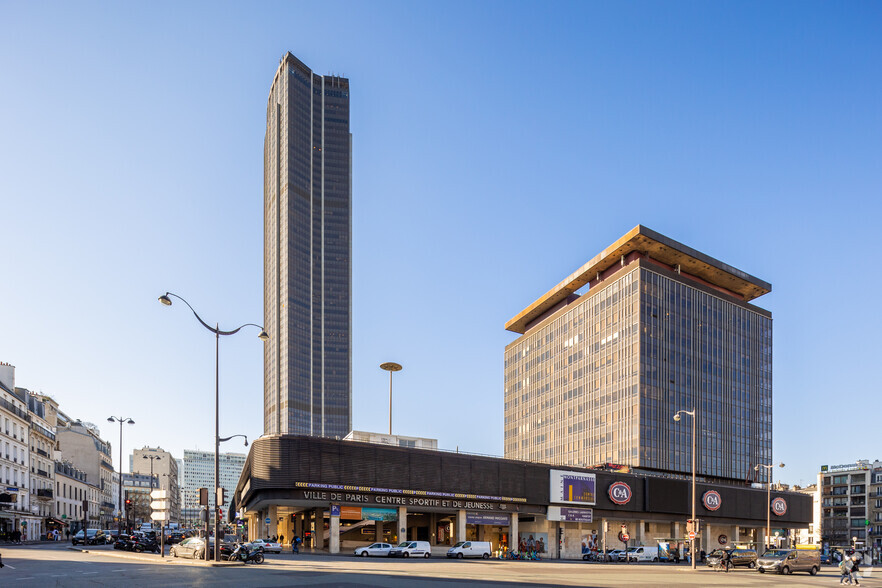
point(54, 565)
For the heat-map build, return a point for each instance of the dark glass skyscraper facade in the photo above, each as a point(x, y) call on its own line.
point(307, 253)
point(599, 372)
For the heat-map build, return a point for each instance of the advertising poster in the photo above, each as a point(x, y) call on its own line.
point(379, 514)
point(528, 542)
point(572, 487)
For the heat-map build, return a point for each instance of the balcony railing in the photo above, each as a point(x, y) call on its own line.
point(44, 492)
point(43, 452)
point(43, 473)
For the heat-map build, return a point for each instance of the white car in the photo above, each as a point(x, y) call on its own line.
point(375, 549)
point(267, 546)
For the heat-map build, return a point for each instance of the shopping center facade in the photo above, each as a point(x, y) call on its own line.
point(342, 494)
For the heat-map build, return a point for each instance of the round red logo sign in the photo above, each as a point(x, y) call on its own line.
point(712, 500)
point(620, 493)
point(779, 506)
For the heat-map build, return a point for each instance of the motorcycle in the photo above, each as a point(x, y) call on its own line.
point(244, 554)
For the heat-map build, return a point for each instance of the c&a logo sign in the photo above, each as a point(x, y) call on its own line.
point(620, 493)
point(712, 500)
point(779, 506)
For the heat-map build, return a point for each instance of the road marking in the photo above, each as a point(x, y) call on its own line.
point(27, 578)
point(89, 572)
point(117, 570)
point(10, 567)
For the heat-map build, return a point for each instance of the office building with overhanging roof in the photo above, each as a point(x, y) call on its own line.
point(645, 329)
point(307, 254)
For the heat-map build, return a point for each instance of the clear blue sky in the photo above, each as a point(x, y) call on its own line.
point(497, 147)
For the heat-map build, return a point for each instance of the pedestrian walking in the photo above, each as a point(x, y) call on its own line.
point(845, 570)
point(281, 539)
point(855, 563)
point(295, 544)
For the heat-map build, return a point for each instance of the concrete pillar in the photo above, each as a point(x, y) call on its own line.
point(737, 536)
point(272, 528)
point(513, 532)
point(319, 528)
point(676, 532)
point(298, 525)
point(334, 528)
point(554, 540)
point(433, 529)
point(402, 524)
point(460, 526)
point(640, 533)
point(378, 531)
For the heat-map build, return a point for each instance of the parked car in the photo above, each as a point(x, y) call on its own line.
point(110, 536)
point(267, 545)
point(825, 560)
point(737, 557)
point(91, 537)
point(613, 555)
point(193, 547)
point(374, 549)
point(411, 549)
point(470, 549)
point(643, 553)
point(787, 561)
point(174, 537)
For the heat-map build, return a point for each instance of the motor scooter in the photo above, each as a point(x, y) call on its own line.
point(244, 554)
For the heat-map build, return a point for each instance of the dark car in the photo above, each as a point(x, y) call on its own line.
point(174, 538)
point(91, 537)
point(737, 557)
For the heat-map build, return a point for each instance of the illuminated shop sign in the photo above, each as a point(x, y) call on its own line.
point(570, 515)
point(572, 487)
point(347, 488)
point(712, 500)
point(480, 518)
point(620, 493)
point(779, 506)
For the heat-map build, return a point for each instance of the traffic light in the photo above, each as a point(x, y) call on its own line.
point(128, 502)
point(220, 497)
point(203, 496)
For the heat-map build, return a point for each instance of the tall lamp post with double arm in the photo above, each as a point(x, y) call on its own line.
point(263, 336)
point(691, 541)
point(129, 421)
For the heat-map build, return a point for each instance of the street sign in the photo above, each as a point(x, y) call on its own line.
point(268, 520)
point(159, 505)
point(159, 515)
point(625, 537)
point(159, 494)
point(691, 535)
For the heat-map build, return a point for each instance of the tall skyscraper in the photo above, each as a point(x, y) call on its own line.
point(307, 253)
point(647, 328)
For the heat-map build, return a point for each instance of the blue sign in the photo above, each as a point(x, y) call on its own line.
point(335, 510)
point(480, 518)
point(268, 520)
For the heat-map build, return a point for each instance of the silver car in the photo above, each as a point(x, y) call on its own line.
point(787, 561)
point(375, 549)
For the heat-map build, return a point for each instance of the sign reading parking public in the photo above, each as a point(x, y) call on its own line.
point(620, 493)
point(712, 500)
point(779, 506)
point(572, 487)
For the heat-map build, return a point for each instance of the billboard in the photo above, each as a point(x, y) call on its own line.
point(572, 487)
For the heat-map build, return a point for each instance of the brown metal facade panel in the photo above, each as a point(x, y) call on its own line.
point(275, 464)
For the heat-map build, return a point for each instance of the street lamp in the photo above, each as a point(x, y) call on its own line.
point(694, 418)
point(769, 468)
point(129, 421)
point(263, 336)
point(390, 366)
point(217, 517)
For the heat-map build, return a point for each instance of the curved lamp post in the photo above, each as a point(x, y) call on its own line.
point(691, 541)
point(390, 366)
point(769, 468)
point(263, 336)
point(129, 421)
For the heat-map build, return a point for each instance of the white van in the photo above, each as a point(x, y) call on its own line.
point(411, 549)
point(643, 554)
point(470, 549)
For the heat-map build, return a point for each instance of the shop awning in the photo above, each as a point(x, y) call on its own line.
point(52, 521)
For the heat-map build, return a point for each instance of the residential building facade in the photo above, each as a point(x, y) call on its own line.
point(81, 444)
point(42, 444)
point(645, 329)
point(307, 253)
point(851, 505)
point(15, 500)
point(165, 468)
point(71, 491)
point(136, 490)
